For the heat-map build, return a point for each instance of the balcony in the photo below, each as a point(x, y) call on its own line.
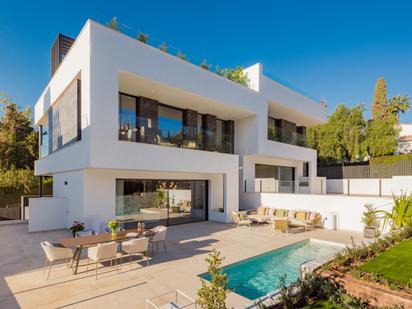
point(150, 131)
point(286, 136)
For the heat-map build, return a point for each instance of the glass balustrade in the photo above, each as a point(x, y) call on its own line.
point(169, 133)
point(286, 136)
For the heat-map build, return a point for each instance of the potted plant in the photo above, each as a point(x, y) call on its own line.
point(113, 225)
point(76, 227)
point(370, 221)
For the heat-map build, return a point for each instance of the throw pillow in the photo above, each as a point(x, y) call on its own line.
point(301, 215)
point(261, 210)
point(271, 211)
point(291, 214)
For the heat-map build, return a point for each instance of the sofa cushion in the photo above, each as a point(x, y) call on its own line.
point(291, 214)
point(261, 210)
point(271, 212)
point(281, 213)
point(312, 215)
point(301, 215)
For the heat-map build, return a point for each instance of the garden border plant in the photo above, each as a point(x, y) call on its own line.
point(350, 260)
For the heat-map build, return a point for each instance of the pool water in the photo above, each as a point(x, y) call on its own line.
point(257, 276)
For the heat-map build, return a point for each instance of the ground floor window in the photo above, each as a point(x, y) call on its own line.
point(284, 175)
point(162, 202)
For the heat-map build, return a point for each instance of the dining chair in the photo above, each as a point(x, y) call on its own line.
point(102, 252)
point(159, 236)
point(137, 246)
point(54, 254)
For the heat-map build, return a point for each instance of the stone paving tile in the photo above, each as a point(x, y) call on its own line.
point(23, 284)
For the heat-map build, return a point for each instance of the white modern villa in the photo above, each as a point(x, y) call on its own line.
point(119, 119)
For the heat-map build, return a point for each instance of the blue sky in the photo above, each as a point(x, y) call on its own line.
point(330, 49)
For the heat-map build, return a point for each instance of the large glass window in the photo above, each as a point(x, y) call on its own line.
point(63, 121)
point(148, 121)
point(170, 126)
point(127, 118)
point(161, 201)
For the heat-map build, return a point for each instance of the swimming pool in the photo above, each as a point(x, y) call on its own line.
point(259, 275)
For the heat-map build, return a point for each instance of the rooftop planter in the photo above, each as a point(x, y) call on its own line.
point(236, 75)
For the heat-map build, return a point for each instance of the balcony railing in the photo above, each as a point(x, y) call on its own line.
point(270, 185)
point(148, 131)
point(286, 136)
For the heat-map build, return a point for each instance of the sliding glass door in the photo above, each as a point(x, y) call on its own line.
point(162, 202)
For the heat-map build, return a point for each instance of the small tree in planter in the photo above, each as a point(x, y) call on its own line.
point(205, 65)
point(164, 47)
point(113, 24)
point(143, 37)
point(213, 295)
point(370, 221)
point(181, 55)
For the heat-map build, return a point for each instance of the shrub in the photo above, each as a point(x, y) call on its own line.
point(205, 65)
point(113, 24)
point(391, 159)
point(143, 37)
point(213, 295)
point(181, 55)
point(400, 215)
point(164, 47)
point(237, 75)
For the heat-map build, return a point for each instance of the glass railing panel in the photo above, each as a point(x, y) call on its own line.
point(286, 136)
point(148, 131)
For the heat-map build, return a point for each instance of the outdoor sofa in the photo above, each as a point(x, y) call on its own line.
point(295, 218)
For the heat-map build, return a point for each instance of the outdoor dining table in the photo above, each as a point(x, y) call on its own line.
point(94, 240)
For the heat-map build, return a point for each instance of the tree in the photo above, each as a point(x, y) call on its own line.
point(340, 139)
point(213, 295)
point(18, 139)
point(381, 137)
point(398, 104)
point(380, 102)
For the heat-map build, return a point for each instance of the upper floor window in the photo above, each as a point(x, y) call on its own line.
point(284, 131)
point(63, 125)
point(148, 121)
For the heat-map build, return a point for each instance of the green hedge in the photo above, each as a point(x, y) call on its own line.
point(391, 159)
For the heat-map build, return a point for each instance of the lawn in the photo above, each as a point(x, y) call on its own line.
point(322, 304)
point(394, 264)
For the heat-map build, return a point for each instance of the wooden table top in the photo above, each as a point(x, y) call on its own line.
point(93, 240)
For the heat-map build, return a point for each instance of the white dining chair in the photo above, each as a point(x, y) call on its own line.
point(55, 254)
point(158, 237)
point(137, 246)
point(102, 252)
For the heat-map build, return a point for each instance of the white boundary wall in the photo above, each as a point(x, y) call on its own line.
point(348, 209)
point(372, 186)
point(47, 213)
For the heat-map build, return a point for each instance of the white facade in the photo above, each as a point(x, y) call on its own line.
point(108, 63)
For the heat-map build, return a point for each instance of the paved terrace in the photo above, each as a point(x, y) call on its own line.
point(23, 284)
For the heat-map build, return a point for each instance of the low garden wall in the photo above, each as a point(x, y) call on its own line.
point(347, 209)
point(375, 294)
point(47, 213)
